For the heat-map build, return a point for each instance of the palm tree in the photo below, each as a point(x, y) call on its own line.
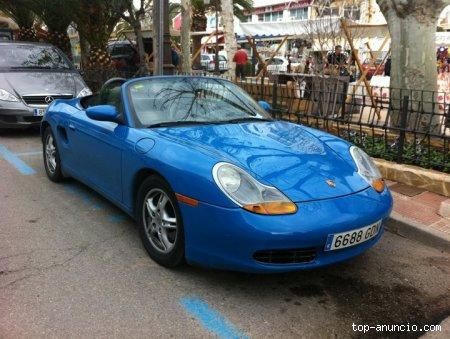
point(95, 20)
point(240, 7)
point(21, 13)
point(57, 16)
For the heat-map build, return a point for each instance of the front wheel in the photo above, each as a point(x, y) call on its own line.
point(52, 161)
point(160, 224)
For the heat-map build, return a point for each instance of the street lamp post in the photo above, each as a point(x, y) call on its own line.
point(216, 56)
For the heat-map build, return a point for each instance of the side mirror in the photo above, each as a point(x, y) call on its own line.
point(103, 113)
point(264, 105)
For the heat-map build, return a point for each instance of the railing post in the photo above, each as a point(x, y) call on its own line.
point(275, 94)
point(262, 88)
point(402, 134)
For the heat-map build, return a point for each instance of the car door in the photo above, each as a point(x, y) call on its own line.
point(270, 65)
point(204, 61)
point(223, 66)
point(98, 146)
point(278, 65)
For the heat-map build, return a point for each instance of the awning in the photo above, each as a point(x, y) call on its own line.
point(212, 40)
point(307, 28)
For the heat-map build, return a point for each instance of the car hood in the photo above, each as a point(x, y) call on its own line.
point(281, 154)
point(35, 82)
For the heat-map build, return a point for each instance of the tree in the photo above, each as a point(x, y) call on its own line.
point(185, 35)
point(57, 16)
point(230, 38)
point(95, 21)
point(240, 8)
point(132, 16)
point(21, 13)
point(412, 25)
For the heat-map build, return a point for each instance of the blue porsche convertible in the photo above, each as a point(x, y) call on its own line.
point(212, 179)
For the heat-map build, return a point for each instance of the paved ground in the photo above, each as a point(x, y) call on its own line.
point(420, 206)
point(72, 264)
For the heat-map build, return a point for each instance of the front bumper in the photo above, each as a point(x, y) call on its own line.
point(228, 238)
point(18, 115)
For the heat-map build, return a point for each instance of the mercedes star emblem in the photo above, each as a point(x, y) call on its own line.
point(48, 100)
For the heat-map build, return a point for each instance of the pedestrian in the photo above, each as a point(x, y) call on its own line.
point(387, 67)
point(337, 62)
point(175, 58)
point(240, 58)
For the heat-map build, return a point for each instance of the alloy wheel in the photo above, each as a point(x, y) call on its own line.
point(160, 220)
point(50, 153)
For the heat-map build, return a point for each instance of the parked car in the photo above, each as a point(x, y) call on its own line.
point(124, 55)
point(32, 75)
point(6, 34)
point(212, 179)
point(208, 62)
point(373, 68)
point(278, 64)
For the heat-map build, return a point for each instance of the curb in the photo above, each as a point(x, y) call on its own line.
point(411, 229)
point(430, 180)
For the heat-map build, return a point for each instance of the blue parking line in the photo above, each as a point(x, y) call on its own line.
point(212, 320)
point(14, 160)
point(83, 195)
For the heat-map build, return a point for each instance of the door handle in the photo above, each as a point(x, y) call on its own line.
point(72, 127)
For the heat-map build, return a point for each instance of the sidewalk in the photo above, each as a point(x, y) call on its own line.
point(420, 215)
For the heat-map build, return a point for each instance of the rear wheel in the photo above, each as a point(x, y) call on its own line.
point(160, 224)
point(52, 162)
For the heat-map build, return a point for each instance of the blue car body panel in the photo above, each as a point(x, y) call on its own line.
point(110, 157)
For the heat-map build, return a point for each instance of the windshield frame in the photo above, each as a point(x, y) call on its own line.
point(71, 67)
point(137, 121)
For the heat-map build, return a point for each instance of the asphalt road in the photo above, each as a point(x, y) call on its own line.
point(71, 264)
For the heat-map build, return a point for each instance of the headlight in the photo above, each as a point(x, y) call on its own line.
point(250, 194)
point(6, 96)
point(367, 169)
point(84, 92)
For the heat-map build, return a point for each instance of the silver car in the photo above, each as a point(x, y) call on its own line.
point(32, 75)
point(208, 62)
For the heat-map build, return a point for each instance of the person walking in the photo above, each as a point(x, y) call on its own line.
point(240, 58)
point(337, 62)
point(175, 59)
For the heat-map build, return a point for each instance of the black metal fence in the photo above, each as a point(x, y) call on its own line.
point(405, 126)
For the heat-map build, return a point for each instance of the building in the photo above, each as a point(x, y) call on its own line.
point(272, 20)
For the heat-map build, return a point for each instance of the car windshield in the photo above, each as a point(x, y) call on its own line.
point(16, 56)
point(184, 100)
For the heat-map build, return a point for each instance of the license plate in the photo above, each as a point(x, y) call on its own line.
point(39, 112)
point(353, 237)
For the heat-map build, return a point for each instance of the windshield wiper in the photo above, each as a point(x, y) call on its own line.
point(178, 123)
point(245, 119)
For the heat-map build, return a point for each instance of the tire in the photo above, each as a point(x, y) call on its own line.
point(52, 161)
point(160, 224)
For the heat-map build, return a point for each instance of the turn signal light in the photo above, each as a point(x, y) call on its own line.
point(378, 185)
point(272, 208)
point(186, 200)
